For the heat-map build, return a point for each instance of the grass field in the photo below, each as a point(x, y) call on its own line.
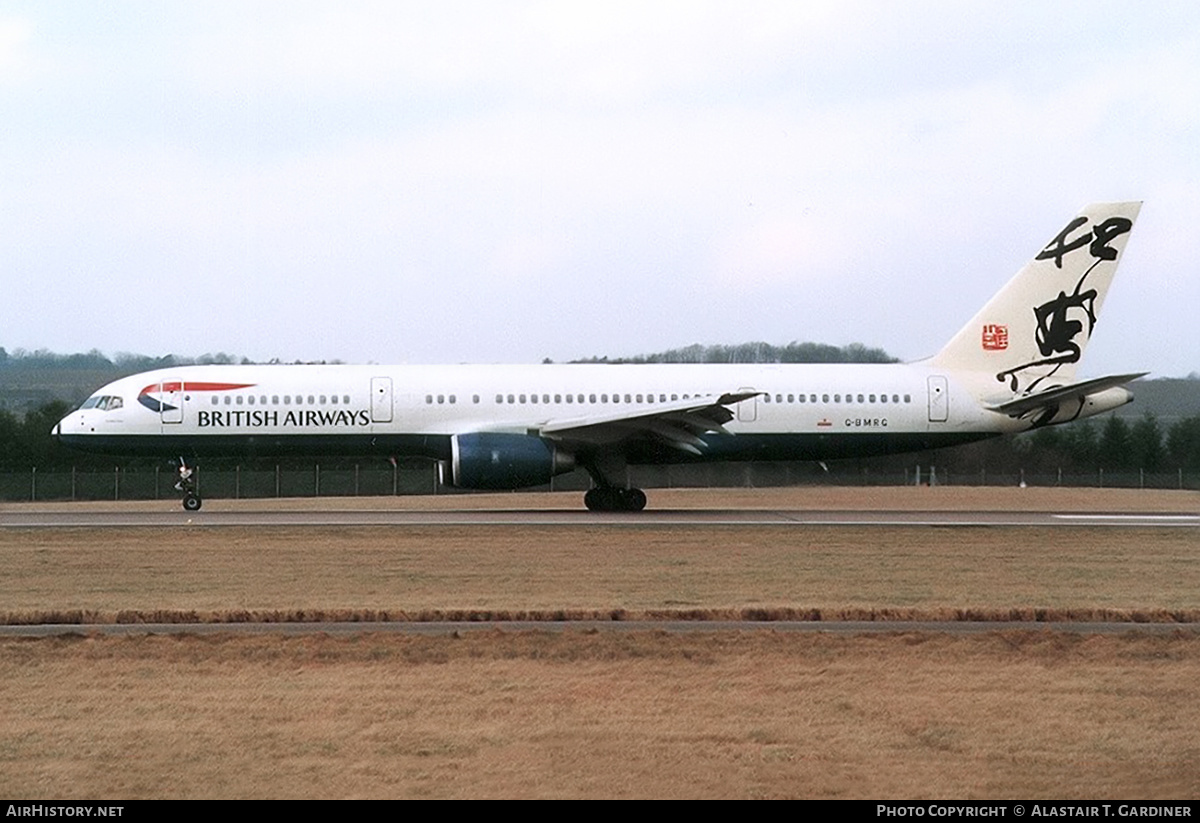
point(1012, 713)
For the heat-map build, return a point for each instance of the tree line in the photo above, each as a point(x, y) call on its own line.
point(757, 352)
point(1109, 444)
point(122, 362)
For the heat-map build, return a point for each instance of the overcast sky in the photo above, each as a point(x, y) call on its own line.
point(502, 181)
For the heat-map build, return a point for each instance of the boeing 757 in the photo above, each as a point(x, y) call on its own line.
point(1010, 369)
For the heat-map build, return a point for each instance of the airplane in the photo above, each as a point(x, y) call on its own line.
point(1011, 368)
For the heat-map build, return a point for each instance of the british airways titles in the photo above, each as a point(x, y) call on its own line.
point(260, 418)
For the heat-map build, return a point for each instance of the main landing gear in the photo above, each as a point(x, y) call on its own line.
point(191, 498)
point(609, 475)
point(613, 499)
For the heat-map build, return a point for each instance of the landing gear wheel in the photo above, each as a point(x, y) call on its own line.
point(610, 499)
point(596, 500)
point(191, 502)
point(634, 500)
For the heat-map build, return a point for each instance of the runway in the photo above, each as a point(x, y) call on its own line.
point(213, 517)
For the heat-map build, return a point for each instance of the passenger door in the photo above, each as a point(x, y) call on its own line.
point(170, 402)
point(381, 400)
point(939, 399)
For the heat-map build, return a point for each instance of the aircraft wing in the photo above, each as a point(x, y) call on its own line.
point(1057, 395)
point(678, 424)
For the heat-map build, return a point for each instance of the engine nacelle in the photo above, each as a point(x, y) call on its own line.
point(498, 460)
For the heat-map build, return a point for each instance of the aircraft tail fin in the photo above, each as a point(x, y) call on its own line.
point(1037, 326)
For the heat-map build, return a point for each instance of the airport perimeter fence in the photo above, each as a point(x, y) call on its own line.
point(374, 480)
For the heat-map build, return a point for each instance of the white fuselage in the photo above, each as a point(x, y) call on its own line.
point(356, 403)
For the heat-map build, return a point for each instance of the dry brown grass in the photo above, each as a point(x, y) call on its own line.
point(597, 570)
point(760, 714)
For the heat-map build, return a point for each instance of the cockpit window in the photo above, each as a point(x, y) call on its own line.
point(107, 402)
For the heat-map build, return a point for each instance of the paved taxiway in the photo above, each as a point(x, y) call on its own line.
point(534, 517)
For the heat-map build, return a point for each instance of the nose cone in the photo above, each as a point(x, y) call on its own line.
point(63, 429)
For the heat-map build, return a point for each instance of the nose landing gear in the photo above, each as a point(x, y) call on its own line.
point(191, 498)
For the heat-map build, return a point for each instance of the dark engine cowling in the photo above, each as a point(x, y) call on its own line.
point(497, 460)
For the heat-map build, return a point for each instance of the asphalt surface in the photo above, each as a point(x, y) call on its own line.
point(534, 517)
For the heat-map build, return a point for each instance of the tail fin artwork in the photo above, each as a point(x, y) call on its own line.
point(1030, 336)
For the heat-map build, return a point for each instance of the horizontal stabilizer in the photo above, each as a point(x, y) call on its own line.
point(1056, 396)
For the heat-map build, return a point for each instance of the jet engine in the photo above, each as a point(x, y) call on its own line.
point(499, 460)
